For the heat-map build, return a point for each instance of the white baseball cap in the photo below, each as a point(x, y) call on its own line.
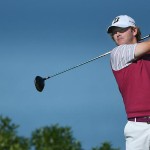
point(122, 21)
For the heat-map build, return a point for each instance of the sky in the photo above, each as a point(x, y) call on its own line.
point(43, 37)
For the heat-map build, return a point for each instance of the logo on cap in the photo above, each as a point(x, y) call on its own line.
point(116, 20)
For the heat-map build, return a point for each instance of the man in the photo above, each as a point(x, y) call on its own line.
point(130, 62)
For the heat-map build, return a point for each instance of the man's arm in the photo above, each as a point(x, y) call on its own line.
point(142, 49)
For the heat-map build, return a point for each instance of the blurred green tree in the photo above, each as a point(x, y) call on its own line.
point(9, 140)
point(47, 138)
point(105, 146)
point(54, 138)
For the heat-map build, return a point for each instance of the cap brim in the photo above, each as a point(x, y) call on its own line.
point(109, 30)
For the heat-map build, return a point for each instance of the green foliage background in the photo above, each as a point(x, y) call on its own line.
point(45, 138)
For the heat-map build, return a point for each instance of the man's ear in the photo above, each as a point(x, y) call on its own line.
point(135, 31)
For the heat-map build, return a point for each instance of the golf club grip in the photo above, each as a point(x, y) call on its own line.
point(145, 37)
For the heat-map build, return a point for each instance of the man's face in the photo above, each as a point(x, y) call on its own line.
point(123, 35)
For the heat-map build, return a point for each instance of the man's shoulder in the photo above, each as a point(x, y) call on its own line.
point(124, 46)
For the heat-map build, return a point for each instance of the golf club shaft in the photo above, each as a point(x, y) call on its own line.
point(81, 64)
point(78, 65)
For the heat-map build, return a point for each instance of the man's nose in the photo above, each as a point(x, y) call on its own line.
point(117, 33)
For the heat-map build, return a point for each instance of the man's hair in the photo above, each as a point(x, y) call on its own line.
point(138, 36)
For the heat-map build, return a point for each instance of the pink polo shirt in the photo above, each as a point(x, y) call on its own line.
point(133, 79)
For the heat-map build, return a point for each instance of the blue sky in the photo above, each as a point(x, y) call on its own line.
point(44, 37)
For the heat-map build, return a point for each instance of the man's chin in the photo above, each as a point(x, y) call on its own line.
point(121, 42)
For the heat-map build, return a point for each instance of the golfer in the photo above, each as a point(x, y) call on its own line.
point(130, 62)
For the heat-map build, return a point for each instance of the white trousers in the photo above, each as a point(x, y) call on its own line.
point(137, 135)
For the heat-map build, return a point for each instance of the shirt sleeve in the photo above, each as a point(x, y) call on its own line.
point(122, 56)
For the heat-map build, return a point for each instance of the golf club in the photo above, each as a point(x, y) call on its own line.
point(40, 81)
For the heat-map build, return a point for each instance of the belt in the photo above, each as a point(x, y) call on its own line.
point(145, 119)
